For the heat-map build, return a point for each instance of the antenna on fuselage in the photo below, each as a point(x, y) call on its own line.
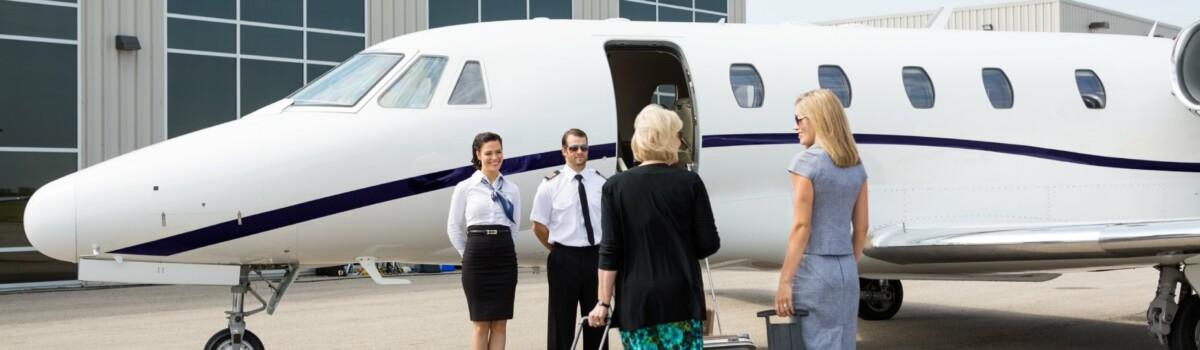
point(1153, 29)
point(942, 18)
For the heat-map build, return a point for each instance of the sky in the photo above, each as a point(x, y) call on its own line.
point(1175, 12)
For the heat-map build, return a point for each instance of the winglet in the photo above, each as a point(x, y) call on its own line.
point(942, 18)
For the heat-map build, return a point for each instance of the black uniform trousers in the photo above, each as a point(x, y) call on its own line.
point(572, 276)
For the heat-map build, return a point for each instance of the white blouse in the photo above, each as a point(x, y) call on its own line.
point(472, 204)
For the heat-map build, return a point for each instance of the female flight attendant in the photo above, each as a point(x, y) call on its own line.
point(829, 225)
point(484, 212)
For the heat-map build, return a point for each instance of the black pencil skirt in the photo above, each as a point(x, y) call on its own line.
point(489, 274)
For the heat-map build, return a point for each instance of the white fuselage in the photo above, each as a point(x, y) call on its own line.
point(1049, 159)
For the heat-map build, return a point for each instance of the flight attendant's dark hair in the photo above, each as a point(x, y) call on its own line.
point(480, 139)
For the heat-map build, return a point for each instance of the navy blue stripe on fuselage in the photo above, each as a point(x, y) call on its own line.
point(339, 203)
point(363, 197)
point(1007, 148)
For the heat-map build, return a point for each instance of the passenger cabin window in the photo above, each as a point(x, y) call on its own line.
point(998, 87)
point(348, 83)
point(469, 90)
point(416, 86)
point(747, 85)
point(1091, 89)
point(833, 78)
point(919, 87)
point(664, 95)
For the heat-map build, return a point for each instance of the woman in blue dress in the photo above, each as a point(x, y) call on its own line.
point(829, 225)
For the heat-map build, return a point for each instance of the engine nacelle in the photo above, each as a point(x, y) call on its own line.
point(1185, 76)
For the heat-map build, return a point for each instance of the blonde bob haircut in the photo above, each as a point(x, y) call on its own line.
point(653, 132)
point(828, 121)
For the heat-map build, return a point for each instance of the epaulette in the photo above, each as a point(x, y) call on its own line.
point(552, 175)
point(600, 175)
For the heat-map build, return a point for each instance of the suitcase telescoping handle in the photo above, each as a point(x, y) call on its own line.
point(583, 322)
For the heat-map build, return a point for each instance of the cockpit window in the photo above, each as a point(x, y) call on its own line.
point(345, 85)
point(469, 90)
point(416, 86)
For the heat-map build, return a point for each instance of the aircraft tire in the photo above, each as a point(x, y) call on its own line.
point(879, 310)
point(1185, 328)
point(221, 341)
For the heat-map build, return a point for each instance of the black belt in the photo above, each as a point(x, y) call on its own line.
point(488, 230)
point(557, 245)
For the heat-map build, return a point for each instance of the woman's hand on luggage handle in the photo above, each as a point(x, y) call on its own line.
point(597, 317)
point(783, 300)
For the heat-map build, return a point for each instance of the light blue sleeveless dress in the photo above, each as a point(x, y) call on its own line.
point(826, 282)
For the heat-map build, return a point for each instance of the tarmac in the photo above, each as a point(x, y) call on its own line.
point(1095, 310)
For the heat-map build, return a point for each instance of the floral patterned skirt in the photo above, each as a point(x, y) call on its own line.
point(682, 335)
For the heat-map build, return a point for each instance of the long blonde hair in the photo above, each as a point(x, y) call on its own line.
point(653, 131)
point(828, 122)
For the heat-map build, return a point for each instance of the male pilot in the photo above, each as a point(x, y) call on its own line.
point(566, 219)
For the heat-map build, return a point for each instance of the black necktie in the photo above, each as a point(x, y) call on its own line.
point(587, 216)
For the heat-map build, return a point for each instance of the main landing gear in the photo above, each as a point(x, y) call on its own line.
point(1173, 319)
point(879, 299)
point(237, 337)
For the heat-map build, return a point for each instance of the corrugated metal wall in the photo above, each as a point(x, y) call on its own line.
point(1076, 17)
point(594, 9)
point(906, 20)
point(1028, 16)
point(1037, 16)
point(737, 11)
point(391, 18)
point(123, 91)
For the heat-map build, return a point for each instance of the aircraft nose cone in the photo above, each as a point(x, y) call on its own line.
point(50, 219)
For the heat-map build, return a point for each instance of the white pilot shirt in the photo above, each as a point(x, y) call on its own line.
point(556, 205)
point(472, 204)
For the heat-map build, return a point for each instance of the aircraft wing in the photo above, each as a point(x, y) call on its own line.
point(904, 244)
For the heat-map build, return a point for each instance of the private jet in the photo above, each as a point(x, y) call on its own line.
point(992, 156)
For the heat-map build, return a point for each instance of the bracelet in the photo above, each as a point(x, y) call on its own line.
point(605, 305)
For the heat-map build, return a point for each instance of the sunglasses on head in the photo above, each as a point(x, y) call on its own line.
point(577, 148)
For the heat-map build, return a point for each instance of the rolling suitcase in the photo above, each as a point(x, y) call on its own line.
point(726, 342)
point(583, 322)
point(783, 335)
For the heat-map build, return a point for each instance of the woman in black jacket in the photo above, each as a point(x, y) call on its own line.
point(657, 224)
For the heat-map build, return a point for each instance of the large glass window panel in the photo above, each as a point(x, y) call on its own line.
point(33, 267)
point(265, 82)
point(47, 21)
point(201, 91)
point(833, 78)
point(38, 95)
point(469, 90)
point(209, 8)
point(638, 12)
point(708, 18)
point(200, 35)
point(286, 12)
point(451, 12)
point(346, 84)
point(747, 85)
point(316, 70)
point(272, 42)
point(499, 10)
point(416, 87)
point(556, 9)
point(713, 5)
point(998, 87)
point(344, 15)
point(1091, 89)
point(35, 169)
point(919, 87)
point(332, 47)
point(664, 95)
point(667, 14)
point(684, 3)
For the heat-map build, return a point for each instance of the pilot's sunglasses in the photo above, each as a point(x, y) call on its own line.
point(799, 118)
point(577, 148)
